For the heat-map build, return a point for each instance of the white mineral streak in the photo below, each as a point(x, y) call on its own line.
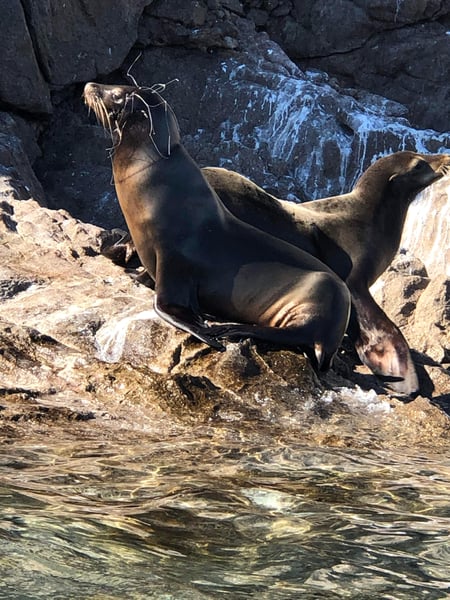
point(110, 339)
point(298, 114)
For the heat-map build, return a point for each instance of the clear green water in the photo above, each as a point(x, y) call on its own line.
point(195, 518)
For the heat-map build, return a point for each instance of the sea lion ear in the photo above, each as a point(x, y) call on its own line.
point(393, 176)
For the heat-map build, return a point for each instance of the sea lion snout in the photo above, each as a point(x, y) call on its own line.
point(91, 89)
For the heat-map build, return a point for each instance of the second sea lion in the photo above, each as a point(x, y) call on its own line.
point(357, 234)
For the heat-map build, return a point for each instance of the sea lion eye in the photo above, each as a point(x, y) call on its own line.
point(420, 165)
point(117, 97)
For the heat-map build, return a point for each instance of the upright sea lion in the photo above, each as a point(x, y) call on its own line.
point(356, 234)
point(203, 259)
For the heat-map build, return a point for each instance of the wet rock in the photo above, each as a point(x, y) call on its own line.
point(258, 114)
point(82, 347)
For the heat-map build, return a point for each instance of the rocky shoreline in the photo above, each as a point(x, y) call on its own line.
point(81, 349)
point(82, 345)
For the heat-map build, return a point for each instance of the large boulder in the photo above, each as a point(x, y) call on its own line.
point(76, 41)
point(399, 50)
point(50, 44)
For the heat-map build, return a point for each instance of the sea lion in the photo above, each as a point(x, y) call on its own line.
point(357, 234)
point(206, 262)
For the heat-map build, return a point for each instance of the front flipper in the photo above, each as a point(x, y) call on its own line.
point(186, 319)
point(118, 246)
point(381, 345)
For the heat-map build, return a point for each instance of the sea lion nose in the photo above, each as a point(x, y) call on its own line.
point(91, 89)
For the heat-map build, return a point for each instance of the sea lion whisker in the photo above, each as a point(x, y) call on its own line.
point(151, 126)
point(160, 87)
point(130, 67)
point(166, 115)
point(169, 138)
point(102, 114)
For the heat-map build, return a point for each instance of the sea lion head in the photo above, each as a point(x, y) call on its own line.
point(134, 116)
point(412, 172)
point(401, 175)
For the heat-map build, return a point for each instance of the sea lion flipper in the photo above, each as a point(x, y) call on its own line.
point(382, 347)
point(144, 278)
point(117, 245)
point(301, 338)
point(186, 319)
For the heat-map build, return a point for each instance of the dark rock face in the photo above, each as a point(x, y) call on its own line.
point(48, 44)
point(17, 148)
point(75, 41)
point(399, 50)
point(20, 68)
point(257, 114)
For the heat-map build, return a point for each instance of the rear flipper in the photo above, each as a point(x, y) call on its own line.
point(382, 347)
point(187, 320)
point(300, 338)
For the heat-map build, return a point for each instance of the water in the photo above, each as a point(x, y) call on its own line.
point(212, 513)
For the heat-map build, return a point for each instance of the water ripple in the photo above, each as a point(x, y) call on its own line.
point(195, 519)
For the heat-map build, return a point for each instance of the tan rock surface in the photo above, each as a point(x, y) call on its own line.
point(82, 350)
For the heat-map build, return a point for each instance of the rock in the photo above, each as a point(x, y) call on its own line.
point(420, 307)
point(76, 41)
point(66, 172)
point(371, 48)
point(258, 114)
point(22, 84)
point(400, 287)
point(60, 43)
point(81, 344)
point(17, 178)
point(194, 24)
point(426, 234)
point(430, 332)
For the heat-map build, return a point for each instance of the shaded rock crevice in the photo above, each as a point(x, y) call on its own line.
point(33, 34)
